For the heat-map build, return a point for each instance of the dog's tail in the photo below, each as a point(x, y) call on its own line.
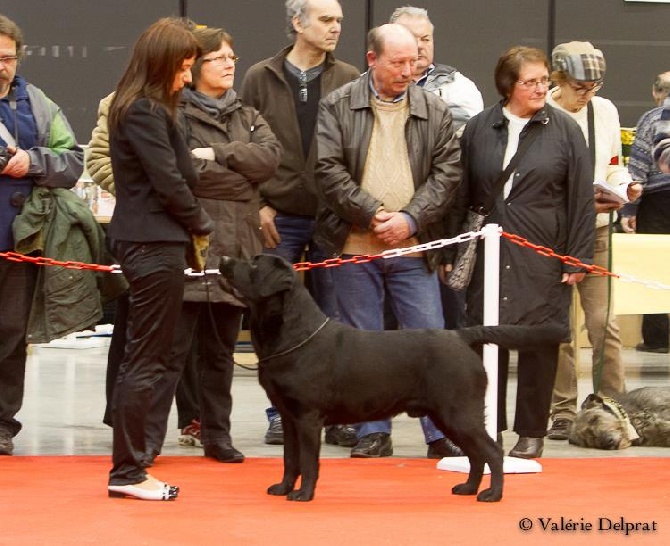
point(512, 336)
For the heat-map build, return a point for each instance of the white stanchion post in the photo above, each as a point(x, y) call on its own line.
point(511, 465)
point(491, 307)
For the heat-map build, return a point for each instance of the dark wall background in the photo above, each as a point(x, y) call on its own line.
point(77, 49)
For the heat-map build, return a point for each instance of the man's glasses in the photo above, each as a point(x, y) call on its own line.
point(535, 84)
point(222, 59)
point(9, 59)
point(586, 89)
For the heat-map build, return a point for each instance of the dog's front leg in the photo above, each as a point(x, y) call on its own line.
point(291, 459)
point(309, 438)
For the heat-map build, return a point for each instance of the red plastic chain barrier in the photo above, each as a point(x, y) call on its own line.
point(544, 251)
point(332, 262)
point(41, 260)
point(336, 262)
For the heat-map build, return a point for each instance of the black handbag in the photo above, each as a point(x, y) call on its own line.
point(466, 255)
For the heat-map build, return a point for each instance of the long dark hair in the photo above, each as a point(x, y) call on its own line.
point(157, 56)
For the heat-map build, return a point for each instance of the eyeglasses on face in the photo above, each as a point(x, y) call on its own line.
point(586, 89)
point(535, 84)
point(9, 59)
point(222, 59)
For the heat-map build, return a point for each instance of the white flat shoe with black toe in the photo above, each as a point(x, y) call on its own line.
point(164, 491)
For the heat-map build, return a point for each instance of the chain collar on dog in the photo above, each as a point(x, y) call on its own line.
point(304, 342)
point(617, 409)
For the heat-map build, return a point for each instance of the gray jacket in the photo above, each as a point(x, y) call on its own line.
point(344, 129)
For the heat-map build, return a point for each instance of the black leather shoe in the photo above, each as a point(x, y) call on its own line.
point(224, 453)
point(6, 443)
point(528, 448)
point(647, 349)
point(275, 433)
point(560, 429)
point(341, 435)
point(377, 444)
point(443, 447)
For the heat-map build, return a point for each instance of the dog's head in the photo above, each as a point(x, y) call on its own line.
point(262, 283)
point(600, 424)
point(261, 277)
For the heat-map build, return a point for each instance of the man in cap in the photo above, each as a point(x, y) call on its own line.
point(578, 72)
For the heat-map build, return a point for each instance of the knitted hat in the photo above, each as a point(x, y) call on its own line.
point(579, 60)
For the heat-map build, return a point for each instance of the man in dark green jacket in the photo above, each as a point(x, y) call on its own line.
point(41, 151)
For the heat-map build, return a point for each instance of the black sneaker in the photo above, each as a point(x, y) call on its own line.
point(341, 435)
point(560, 429)
point(6, 443)
point(377, 444)
point(275, 433)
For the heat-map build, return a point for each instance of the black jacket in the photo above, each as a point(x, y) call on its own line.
point(153, 175)
point(550, 204)
point(344, 130)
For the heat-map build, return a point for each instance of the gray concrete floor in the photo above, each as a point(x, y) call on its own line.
point(64, 402)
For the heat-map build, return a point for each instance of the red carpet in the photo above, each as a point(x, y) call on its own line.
point(63, 500)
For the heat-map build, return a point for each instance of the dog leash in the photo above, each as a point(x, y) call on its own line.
point(304, 342)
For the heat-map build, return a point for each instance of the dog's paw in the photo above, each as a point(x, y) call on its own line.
point(464, 489)
point(279, 489)
point(489, 495)
point(300, 496)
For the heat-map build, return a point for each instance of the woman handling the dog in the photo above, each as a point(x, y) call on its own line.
point(546, 196)
point(154, 219)
point(578, 74)
point(233, 151)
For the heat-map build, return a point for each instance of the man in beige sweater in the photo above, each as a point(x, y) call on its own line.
point(387, 170)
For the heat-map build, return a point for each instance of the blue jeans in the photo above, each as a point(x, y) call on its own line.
point(297, 244)
point(415, 300)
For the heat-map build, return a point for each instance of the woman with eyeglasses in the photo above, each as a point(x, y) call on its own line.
point(233, 150)
point(547, 199)
point(579, 71)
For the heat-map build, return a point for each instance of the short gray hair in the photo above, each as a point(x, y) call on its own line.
point(410, 11)
point(662, 83)
point(295, 8)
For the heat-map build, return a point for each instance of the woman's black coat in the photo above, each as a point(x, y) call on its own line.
point(550, 204)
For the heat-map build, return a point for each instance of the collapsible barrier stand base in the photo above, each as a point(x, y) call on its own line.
point(511, 465)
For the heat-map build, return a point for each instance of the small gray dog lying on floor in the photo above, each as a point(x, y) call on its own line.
point(318, 371)
point(640, 418)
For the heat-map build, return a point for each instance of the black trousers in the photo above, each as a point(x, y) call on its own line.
point(17, 285)
point(536, 373)
point(187, 395)
point(155, 273)
point(216, 326)
point(653, 216)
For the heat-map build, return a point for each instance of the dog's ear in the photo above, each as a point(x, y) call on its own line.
point(592, 401)
point(274, 275)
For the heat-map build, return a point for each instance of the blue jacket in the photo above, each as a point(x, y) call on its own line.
point(56, 161)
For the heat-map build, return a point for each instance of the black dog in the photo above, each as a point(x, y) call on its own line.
point(318, 372)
